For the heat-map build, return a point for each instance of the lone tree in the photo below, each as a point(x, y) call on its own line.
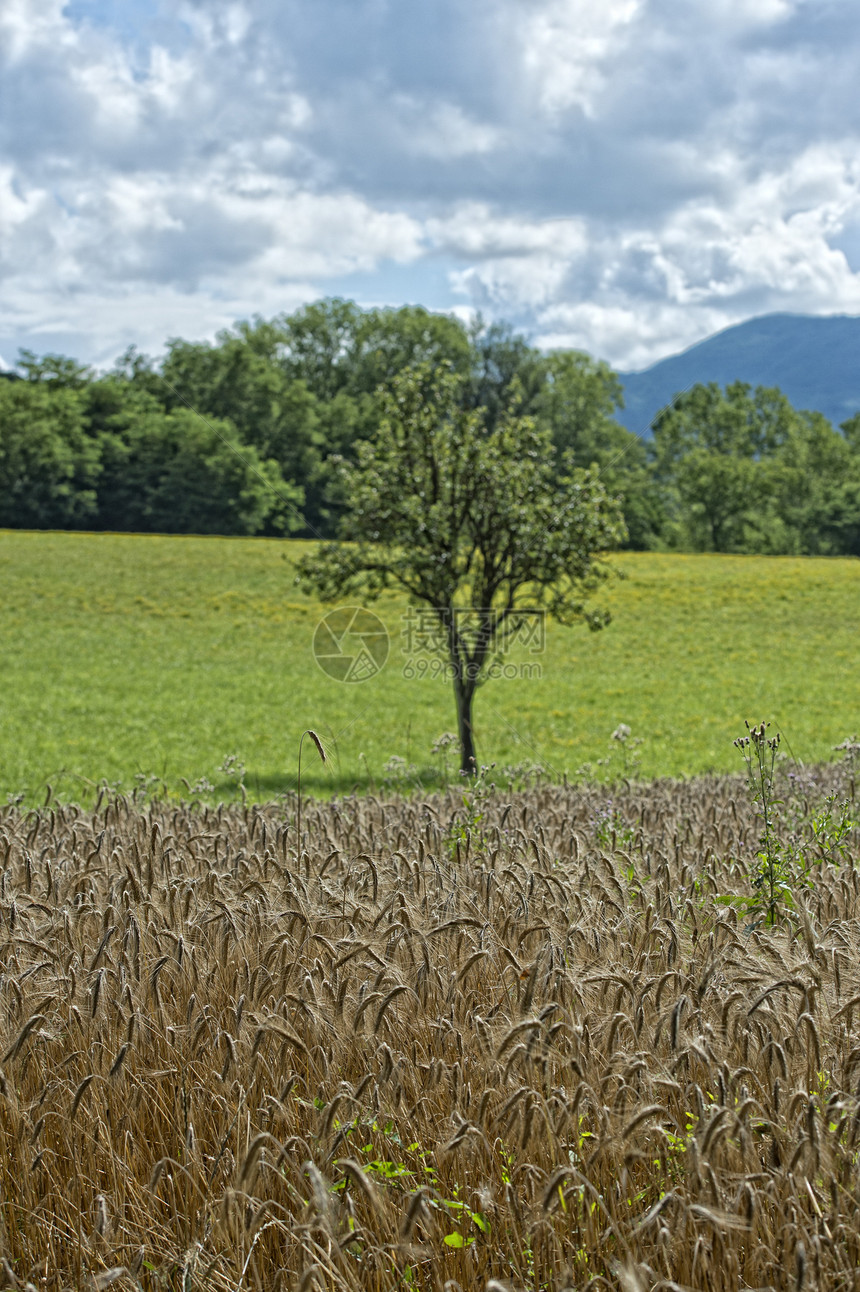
point(477, 524)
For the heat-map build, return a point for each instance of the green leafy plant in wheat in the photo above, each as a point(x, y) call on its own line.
point(831, 826)
point(776, 874)
point(467, 826)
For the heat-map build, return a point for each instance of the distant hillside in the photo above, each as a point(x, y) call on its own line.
point(814, 360)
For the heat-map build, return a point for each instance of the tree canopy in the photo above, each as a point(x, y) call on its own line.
point(471, 517)
point(254, 418)
point(741, 470)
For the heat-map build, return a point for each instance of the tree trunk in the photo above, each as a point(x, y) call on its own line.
point(464, 693)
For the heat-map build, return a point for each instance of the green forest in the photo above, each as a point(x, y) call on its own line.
point(238, 436)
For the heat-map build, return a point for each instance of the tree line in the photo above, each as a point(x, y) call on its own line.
point(240, 436)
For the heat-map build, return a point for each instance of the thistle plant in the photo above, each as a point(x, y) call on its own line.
point(631, 758)
point(621, 744)
point(850, 751)
point(441, 747)
point(774, 872)
point(832, 829)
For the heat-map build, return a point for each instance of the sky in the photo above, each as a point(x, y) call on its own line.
point(620, 176)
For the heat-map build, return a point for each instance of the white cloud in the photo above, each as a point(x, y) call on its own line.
point(475, 230)
point(624, 176)
point(651, 290)
point(521, 264)
point(642, 333)
point(750, 13)
point(29, 24)
point(217, 24)
point(16, 208)
point(111, 320)
point(445, 131)
point(566, 47)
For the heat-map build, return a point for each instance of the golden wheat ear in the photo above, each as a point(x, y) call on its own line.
point(321, 751)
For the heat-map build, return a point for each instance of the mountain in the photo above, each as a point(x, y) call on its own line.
point(815, 361)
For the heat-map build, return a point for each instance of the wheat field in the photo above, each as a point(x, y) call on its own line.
point(531, 1046)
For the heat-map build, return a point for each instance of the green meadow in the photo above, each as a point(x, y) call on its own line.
point(124, 657)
